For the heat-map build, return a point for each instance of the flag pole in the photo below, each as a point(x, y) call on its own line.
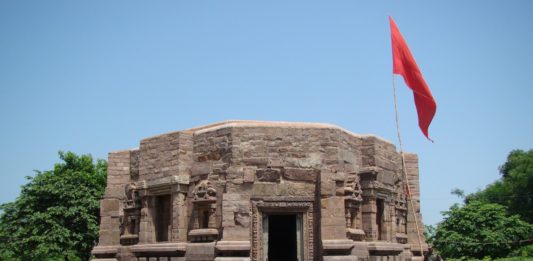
point(404, 165)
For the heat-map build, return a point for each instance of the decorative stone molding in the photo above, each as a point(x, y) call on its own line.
point(160, 247)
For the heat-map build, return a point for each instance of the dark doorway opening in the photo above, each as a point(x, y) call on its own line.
point(162, 217)
point(379, 217)
point(282, 238)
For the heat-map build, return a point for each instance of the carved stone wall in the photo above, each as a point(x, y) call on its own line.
point(202, 194)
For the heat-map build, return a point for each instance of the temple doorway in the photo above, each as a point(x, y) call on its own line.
point(283, 237)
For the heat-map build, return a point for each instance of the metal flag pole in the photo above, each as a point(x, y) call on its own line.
point(404, 165)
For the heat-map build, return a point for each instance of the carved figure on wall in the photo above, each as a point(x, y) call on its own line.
point(132, 195)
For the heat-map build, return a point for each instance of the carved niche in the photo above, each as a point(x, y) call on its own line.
point(352, 209)
point(129, 228)
point(400, 207)
point(204, 224)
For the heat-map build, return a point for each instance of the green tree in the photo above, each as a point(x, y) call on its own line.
point(514, 189)
point(429, 233)
point(477, 230)
point(56, 214)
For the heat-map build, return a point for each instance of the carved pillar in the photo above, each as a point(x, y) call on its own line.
point(388, 210)
point(400, 207)
point(369, 205)
point(179, 216)
point(146, 229)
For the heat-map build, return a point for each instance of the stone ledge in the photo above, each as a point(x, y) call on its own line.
point(355, 234)
point(385, 248)
point(283, 198)
point(159, 247)
point(341, 244)
point(353, 231)
point(232, 259)
point(204, 232)
point(401, 235)
point(105, 250)
point(129, 239)
point(233, 246)
point(165, 181)
point(104, 259)
point(340, 258)
point(203, 235)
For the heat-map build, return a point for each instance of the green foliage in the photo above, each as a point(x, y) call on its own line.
point(458, 192)
point(525, 251)
point(492, 259)
point(479, 230)
point(429, 233)
point(56, 215)
point(515, 188)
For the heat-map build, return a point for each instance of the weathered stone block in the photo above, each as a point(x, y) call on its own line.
point(249, 174)
point(299, 174)
point(268, 175)
point(109, 207)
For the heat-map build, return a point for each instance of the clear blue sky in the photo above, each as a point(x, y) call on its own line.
point(97, 76)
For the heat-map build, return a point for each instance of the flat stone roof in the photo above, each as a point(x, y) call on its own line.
point(267, 124)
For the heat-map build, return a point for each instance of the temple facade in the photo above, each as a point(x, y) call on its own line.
point(247, 190)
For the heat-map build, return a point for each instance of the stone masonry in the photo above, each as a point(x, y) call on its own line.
point(247, 190)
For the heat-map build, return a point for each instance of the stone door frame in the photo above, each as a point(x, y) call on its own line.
point(278, 205)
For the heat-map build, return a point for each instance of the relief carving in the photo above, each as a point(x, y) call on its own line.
point(130, 219)
point(204, 191)
point(352, 203)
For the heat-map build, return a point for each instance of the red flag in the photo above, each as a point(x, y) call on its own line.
point(404, 64)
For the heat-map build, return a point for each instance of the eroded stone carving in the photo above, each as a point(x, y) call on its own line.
point(205, 192)
point(129, 220)
point(352, 203)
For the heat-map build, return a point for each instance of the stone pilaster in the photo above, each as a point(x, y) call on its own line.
point(118, 175)
point(411, 162)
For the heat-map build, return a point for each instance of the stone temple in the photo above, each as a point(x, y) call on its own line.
point(248, 190)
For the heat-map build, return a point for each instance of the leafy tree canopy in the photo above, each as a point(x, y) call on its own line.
point(477, 230)
point(56, 215)
point(515, 188)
